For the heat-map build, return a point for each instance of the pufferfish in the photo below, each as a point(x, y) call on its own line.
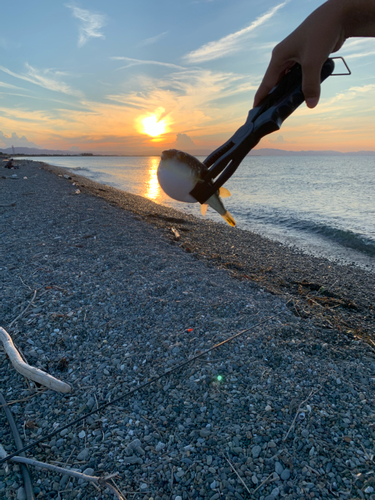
point(179, 173)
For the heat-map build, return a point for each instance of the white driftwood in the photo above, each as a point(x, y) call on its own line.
point(3, 454)
point(78, 475)
point(28, 371)
point(176, 233)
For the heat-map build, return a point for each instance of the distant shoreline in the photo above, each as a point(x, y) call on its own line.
point(256, 152)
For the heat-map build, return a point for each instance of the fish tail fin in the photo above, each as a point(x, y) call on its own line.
point(224, 192)
point(204, 208)
point(229, 219)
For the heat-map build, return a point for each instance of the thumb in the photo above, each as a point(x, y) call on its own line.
point(311, 84)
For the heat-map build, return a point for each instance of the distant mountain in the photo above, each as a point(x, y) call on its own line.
point(282, 152)
point(254, 152)
point(19, 150)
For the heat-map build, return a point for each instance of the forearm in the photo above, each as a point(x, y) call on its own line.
point(358, 17)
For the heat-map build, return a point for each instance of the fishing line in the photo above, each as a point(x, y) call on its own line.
point(132, 391)
point(29, 490)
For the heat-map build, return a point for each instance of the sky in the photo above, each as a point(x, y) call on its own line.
point(125, 77)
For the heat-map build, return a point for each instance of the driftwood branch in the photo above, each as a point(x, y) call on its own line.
point(67, 472)
point(314, 391)
point(23, 312)
point(176, 233)
point(28, 371)
point(239, 477)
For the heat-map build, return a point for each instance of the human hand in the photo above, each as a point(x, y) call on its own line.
point(310, 45)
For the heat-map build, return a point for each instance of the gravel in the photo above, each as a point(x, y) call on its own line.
point(288, 404)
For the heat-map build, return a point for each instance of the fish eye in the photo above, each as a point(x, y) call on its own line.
point(180, 155)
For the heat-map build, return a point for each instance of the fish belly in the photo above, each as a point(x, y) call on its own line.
point(177, 180)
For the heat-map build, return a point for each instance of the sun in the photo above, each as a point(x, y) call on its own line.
point(153, 127)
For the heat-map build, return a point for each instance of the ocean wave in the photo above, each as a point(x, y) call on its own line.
point(79, 168)
point(343, 237)
point(290, 222)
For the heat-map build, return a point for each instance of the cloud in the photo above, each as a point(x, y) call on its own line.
point(152, 40)
point(138, 62)
point(90, 26)
point(196, 85)
point(277, 140)
point(349, 105)
point(9, 86)
point(184, 142)
point(360, 54)
point(46, 79)
point(360, 47)
point(230, 43)
point(355, 42)
point(354, 94)
point(190, 99)
point(15, 140)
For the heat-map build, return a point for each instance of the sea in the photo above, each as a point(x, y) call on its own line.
point(321, 205)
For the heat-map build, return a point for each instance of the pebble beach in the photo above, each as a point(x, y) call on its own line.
point(108, 291)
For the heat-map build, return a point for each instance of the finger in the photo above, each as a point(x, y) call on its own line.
point(271, 78)
point(311, 83)
point(264, 89)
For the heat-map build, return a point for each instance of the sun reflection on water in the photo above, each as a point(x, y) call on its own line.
point(153, 187)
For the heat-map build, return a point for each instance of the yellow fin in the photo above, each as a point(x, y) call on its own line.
point(229, 219)
point(224, 192)
point(204, 208)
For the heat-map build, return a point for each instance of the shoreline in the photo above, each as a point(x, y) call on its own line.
point(97, 291)
point(317, 237)
point(310, 282)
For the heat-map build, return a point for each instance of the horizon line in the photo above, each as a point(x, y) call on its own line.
point(11, 151)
